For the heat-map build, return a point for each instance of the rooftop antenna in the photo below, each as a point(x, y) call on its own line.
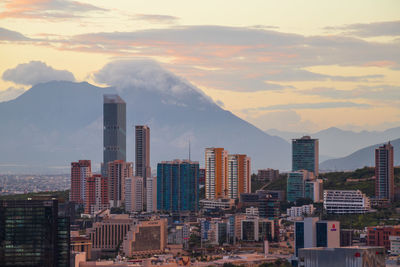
point(189, 148)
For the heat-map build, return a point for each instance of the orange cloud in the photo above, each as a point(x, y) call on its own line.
point(382, 64)
point(45, 9)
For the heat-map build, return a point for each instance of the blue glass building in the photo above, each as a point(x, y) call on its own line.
point(178, 186)
point(295, 186)
point(305, 154)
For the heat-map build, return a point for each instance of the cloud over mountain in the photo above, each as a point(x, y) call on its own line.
point(36, 72)
point(145, 75)
point(66, 128)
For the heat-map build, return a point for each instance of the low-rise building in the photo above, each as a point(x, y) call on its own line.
point(379, 235)
point(346, 202)
point(267, 205)
point(178, 234)
point(294, 212)
point(394, 245)
point(254, 228)
point(267, 175)
point(145, 238)
point(81, 244)
point(311, 232)
point(214, 231)
point(221, 203)
point(107, 235)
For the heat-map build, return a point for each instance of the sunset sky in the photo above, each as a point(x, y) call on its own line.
point(289, 65)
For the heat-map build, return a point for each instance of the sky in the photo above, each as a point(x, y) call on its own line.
point(289, 65)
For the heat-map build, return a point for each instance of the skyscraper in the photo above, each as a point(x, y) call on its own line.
point(305, 155)
point(384, 172)
point(238, 178)
point(114, 131)
point(178, 186)
point(216, 161)
point(142, 151)
point(79, 172)
point(151, 194)
point(32, 234)
point(134, 194)
point(118, 171)
point(96, 194)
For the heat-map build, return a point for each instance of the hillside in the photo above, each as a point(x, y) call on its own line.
point(359, 159)
point(342, 181)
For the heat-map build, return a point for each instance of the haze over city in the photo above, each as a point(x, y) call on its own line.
point(287, 66)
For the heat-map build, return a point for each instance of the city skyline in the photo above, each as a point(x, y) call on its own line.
point(275, 133)
point(266, 68)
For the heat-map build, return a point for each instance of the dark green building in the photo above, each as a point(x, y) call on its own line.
point(32, 234)
point(305, 154)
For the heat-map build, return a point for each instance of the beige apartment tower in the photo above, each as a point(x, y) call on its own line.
point(239, 176)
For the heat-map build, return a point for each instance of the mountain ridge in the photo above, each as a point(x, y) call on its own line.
point(364, 157)
point(57, 122)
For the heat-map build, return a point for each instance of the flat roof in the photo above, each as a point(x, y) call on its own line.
point(113, 98)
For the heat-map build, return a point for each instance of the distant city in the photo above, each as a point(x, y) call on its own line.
point(219, 214)
point(22, 184)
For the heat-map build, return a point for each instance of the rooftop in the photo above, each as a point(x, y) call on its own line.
point(113, 99)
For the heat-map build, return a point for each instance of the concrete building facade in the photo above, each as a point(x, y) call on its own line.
point(238, 178)
point(79, 172)
point(146, 237)
point(118, 171)
point(216, 170)
point(96, 194)
point(134, 194)
point(346, 202)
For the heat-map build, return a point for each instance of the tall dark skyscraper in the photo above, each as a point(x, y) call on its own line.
point(142, 151)
point(305, 154)
point(114, 131)
point(32, 234)
point(384, 172)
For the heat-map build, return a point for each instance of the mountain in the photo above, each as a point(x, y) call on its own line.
point(361, 158)
point(54, 123)
point(335, 142)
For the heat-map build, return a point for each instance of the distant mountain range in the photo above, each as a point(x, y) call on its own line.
point(335, 143)
point(360, 158)
point(54, 123)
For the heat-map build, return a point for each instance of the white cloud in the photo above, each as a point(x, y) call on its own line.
point(36, 72)
point(156, 18)
point(144, 75)
point(10, 93)
point(384, 28)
